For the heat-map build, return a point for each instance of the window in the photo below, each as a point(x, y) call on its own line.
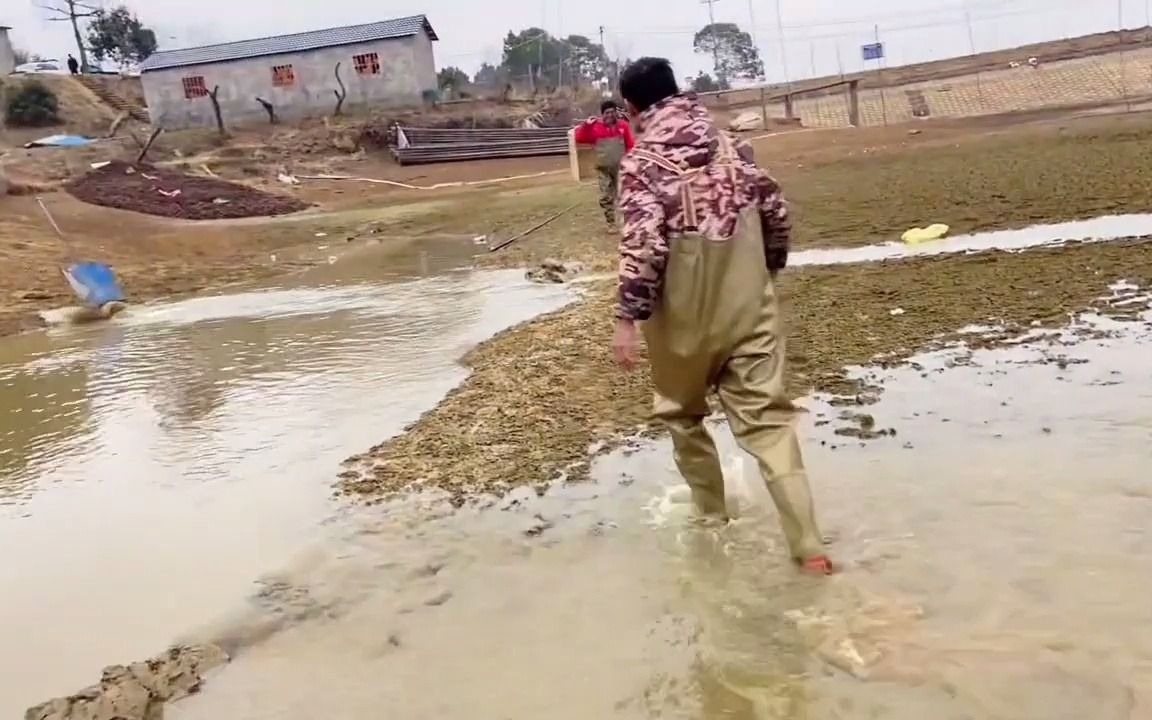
point(194, 87)
point(283, 76)
point(367, 64)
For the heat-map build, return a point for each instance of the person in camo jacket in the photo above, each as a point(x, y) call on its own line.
point(705, 232)
point(611, 136)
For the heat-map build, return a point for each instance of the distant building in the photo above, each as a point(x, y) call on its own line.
point(387, 63)
point(7, 54)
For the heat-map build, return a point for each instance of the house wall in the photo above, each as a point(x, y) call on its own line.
point(407, 70)
point(7, 54)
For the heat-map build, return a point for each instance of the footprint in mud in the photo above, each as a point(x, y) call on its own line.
point(277, 606)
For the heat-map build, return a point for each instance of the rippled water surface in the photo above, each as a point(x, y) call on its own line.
point(152, 468)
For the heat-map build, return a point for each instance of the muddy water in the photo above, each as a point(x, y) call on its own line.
point(153, 467)
point(996, 554)
point(996, 548)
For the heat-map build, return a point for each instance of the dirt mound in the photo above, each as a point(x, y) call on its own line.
point(168, 193)
point(137, 691)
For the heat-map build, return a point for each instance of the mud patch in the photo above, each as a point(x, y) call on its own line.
point(168, 193)
point(544, 394)
point(137, 691)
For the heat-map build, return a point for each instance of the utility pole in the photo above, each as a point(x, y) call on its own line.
point(972, 48)
point(883, 62)
point(715, 40)
point(71, 11)
point(611, 72)
point(563, 45)
point(783, 46)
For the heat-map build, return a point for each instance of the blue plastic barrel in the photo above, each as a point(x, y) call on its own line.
point(94, 283)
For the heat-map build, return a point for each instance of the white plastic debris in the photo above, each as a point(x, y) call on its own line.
point(331, 259)
point(169, 193)
point(287, 179)
point(98, 165)
point(321, 234)
point(220, 201)
point(480, 240)
point(896, 312)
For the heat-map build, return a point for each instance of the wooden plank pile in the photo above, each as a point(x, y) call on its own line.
point(417, 146)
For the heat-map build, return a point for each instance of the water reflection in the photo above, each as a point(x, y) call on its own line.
point(40, 408)
point(191, 446)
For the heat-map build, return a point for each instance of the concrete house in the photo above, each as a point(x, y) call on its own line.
point(7, 54)
point(385, 63)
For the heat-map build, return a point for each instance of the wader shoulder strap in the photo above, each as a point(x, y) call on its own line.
point(691, 221)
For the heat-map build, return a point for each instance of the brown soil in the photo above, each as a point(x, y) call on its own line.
point(147, 189)
point(507, 426)
point(137, 691)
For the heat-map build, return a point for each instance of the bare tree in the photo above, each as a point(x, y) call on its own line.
point(71, 11)
point(341, 94)
point(268, 108)
point(213, 97)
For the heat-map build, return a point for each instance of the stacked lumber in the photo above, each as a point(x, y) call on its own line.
point(417, 146)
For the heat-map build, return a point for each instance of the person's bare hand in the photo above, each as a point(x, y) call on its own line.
point(626, 344)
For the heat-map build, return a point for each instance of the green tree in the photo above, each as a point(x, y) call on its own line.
point(531, 53)
point(453, 77)
point(584, 59)
point(32, 104)
point(705, 83)
point(118, 35)
point(490, 76)
point(736, 56)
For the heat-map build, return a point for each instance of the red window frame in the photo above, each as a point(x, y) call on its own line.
point(367, 63)
point(283, 76)
point(194, 87)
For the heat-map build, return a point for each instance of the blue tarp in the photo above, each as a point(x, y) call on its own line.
point(60, 141)
point(94, 283)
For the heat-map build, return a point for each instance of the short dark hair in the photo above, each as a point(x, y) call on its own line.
point(608, 105)
point(648, 81)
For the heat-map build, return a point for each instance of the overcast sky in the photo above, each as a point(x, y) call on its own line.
point(819, 36)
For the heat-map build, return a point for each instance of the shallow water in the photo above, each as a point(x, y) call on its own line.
point(995, 554)
point(173, 483)
point(1100, 229)
point(152, 467)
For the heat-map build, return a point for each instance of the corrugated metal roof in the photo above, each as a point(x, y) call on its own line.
point(299, 42)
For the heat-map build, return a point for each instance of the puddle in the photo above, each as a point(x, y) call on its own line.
point(1099, 229)
point(153, 466)
point(995, 556)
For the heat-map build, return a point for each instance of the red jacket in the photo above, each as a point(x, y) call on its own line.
point(592, 132)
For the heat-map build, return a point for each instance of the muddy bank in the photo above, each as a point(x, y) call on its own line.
point(541, 395)
point(168, 193)
point(137, 691)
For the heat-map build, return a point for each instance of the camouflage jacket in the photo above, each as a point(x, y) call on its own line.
point(681, 130)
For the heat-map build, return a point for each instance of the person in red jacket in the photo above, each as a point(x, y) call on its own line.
point(612, 137)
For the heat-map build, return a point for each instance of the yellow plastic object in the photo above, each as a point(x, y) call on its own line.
point(915, 236)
